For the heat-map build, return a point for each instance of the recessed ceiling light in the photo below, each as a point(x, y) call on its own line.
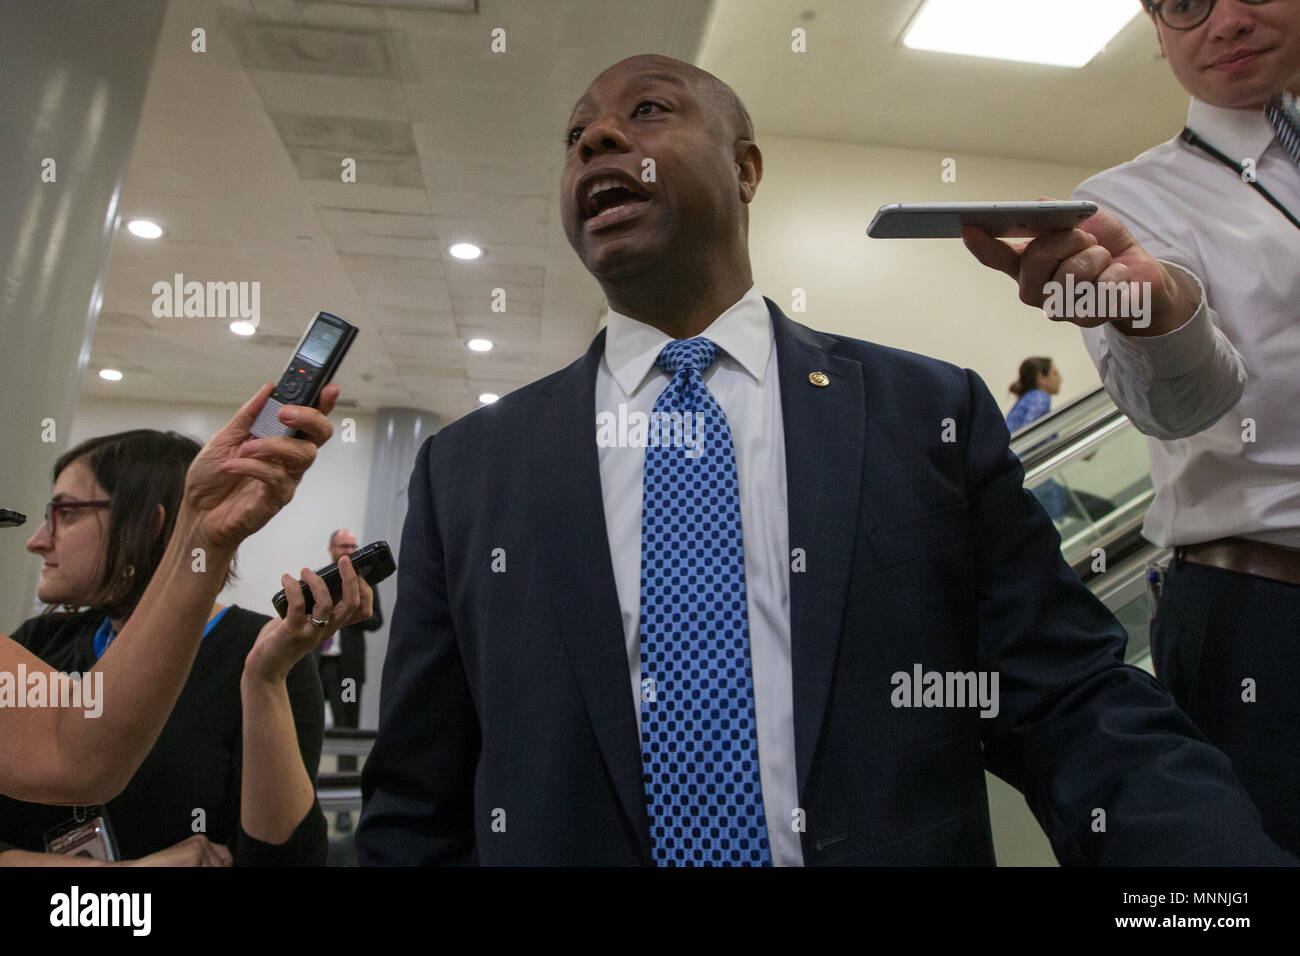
point(479, 345)
point(110, 375)
point(243, 328)
point(144, 228)
point(465, 250)
point(1050, 32)
point(487, 398)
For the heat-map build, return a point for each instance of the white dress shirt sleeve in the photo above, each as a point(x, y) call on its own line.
point(1172, 385)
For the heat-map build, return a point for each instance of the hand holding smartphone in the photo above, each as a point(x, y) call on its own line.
point(944, 220)
point(373, 563)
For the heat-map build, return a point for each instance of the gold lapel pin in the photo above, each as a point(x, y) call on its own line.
point(820, 379)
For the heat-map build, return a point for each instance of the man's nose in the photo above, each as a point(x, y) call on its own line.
point(1230, 18)
point(605, 135)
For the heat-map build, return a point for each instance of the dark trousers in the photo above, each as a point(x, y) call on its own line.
point(346, 713)
point(1215, 631)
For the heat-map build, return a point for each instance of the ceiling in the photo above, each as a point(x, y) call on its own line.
point(239, 150)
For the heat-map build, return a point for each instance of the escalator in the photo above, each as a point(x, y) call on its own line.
point(1088, 467)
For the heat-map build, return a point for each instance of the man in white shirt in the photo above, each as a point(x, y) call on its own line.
point(1215, 378)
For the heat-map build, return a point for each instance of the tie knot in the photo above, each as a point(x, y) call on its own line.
point(697, 353)
point(1283, 102)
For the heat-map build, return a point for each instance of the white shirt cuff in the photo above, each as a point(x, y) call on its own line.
point(1174, 353)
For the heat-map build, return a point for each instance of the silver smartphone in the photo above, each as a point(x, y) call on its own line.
point(943, 220)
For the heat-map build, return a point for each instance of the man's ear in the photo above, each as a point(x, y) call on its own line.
point(159, 521)
point(749, 168)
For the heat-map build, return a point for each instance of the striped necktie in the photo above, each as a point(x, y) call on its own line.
point(1283, 111)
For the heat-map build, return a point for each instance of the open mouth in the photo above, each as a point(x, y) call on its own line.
point(609, 199)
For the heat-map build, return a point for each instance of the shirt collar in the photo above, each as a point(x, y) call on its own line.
point(1239, 133)
point(743, 332)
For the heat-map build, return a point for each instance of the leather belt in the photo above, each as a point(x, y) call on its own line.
point(1246, 557)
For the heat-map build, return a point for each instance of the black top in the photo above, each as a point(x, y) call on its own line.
point(197, 761)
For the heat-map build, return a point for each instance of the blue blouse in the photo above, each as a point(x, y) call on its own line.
point(1032, 406)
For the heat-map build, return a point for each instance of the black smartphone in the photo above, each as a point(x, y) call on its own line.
point(374, 562)
point(314, 362)
point(11, 519)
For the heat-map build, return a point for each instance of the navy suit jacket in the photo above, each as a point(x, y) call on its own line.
point(507, 732)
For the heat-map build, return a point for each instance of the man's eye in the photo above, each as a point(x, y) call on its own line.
point(576, 132)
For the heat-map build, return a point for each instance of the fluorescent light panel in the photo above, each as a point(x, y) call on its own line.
point(1051, 32)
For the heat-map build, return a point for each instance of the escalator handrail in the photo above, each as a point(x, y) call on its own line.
point(1043, 439)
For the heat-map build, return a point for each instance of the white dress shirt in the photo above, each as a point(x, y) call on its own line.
point(745, 383)
point(1235, 364)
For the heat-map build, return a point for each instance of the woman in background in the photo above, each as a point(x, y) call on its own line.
point(1039, 380)
point(235, 485)
point(237, 759)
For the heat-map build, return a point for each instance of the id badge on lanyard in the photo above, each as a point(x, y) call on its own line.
point(87, 834)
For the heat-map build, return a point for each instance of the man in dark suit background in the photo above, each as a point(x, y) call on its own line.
point(612, 649)
point(342, 664)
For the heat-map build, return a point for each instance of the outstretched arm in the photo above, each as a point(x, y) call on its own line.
point(277, 790)
point(233, 487)
point(1114, 771)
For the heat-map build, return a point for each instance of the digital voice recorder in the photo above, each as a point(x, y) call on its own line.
point(314, 363)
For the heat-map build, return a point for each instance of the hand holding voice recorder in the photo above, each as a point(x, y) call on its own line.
point(314, 362)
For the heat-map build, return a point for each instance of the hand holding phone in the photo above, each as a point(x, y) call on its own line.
point(281, 644)
point(373, 563)
point(944, 220)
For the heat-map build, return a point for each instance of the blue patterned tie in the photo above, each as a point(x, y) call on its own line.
point(699, 745)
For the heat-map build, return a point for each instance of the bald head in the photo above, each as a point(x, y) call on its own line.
point(672, 248)
point(719, 98)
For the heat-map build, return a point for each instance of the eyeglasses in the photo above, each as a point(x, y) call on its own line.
point(54, 508)
point(1189, 14)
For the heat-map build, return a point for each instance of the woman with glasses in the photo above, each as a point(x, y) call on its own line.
point(145, 527)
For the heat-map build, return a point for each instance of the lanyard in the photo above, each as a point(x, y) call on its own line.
point(1191, 139)
point(105, 635)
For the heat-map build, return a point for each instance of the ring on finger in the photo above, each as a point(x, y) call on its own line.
point(319, 623)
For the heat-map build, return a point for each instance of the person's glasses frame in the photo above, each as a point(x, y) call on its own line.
point(52, 509)
point(1159, 10)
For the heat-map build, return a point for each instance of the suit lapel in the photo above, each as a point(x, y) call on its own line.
point(577, 565)
point(824, 438)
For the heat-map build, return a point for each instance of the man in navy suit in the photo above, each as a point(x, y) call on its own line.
point(796, 633)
